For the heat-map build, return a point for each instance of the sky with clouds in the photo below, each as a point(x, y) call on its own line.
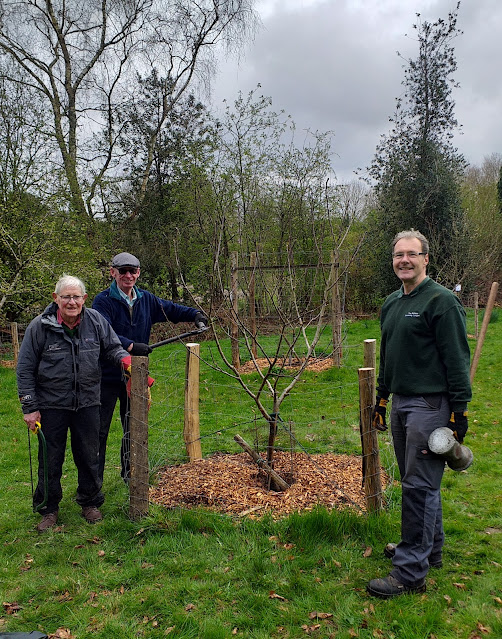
point(333, 65)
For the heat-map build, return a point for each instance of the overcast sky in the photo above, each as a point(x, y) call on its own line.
point(333, 65)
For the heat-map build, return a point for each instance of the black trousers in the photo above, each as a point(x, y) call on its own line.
point(83, 425)
point(110, 393)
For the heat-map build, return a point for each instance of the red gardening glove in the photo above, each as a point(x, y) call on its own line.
point(126, 364)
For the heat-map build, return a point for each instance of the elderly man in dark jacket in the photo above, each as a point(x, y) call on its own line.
point(131, 311)
point(58, 377)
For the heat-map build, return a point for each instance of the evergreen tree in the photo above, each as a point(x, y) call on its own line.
point(416, 168)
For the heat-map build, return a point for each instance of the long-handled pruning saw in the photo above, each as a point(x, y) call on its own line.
point(43, 445)
point(180, 337)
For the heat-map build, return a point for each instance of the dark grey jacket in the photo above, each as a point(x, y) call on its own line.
point(57, 371)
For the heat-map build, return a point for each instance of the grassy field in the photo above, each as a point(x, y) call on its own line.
point(181, 573)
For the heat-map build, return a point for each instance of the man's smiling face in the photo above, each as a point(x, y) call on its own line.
point(409, 262)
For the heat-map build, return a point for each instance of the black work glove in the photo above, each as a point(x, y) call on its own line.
point(458, 424)
point(200, 320)
point(378, 415)
point(138, 348)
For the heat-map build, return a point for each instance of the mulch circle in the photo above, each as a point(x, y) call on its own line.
point(233, 484)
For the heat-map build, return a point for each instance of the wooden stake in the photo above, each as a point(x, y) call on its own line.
point(191, 431)
point(15, 341)
point(370, 361)
point(252, 304)
point(369, 441)
point(336, 310)
point(138, 423)
point(262, 463)
point(234, 326)
point(476, 315)
point(484, 326)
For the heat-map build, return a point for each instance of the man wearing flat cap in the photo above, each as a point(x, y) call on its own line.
point(131, 311)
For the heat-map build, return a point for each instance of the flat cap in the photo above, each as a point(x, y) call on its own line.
point(125, 259)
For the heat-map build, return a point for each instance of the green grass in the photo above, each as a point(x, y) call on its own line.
point(198, 574)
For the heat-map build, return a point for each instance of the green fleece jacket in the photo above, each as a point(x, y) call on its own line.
point(424, 346)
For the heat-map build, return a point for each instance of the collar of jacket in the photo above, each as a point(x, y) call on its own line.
point(114, 292)
point(416, 290)
point(50, 316)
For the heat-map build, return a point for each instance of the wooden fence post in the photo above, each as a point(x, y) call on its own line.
point(484, 325)
point(252, 304)
point(234, 325)
point(336, 310)
point(191, 430)
point(476, 315)
point(369, 441)
point(369, 361)
point(138, 423)
point(15, 341)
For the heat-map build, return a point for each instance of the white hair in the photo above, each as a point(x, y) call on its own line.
point(69, 280)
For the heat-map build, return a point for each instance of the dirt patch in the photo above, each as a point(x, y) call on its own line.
point(233, 484)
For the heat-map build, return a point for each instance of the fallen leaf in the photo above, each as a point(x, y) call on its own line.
point(320, 615)
point(190, 606)
point(484, 629)
point(368, 551)
point(274, 595)
point(458, 585)
point(11, 608)
point(169, 630)
point(310, 629)
point(448, 599)
point(62, 633)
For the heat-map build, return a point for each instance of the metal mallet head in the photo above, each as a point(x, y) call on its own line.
point(443, 443)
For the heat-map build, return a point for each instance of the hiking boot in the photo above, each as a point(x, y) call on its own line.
point(48, 521)
point(390, 587)
point(91, 514)
point(435, 561)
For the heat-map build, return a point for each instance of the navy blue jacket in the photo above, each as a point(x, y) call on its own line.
point(134, 324)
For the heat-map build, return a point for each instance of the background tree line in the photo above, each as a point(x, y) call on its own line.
point(104, 147)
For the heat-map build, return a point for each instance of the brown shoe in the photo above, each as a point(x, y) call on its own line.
point(48, 521)
point(91, 514)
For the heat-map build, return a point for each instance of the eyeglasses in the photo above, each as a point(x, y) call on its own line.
point(128, 269)
point(412, 255)
point(75, 298)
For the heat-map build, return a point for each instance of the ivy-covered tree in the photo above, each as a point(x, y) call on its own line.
point(416, 168)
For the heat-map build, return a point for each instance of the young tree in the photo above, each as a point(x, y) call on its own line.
point(82, 57)
point(416, 169)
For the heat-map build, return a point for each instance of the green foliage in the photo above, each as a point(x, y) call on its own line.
point(416, 169)
point(38, 243)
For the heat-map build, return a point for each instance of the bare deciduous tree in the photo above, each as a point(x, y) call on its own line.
point(83, 58)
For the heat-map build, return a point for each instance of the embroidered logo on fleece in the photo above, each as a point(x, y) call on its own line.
point(412, 314)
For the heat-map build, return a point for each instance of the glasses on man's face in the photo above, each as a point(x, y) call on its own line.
point(412, 255)
point(75, 298)
point(128, 269)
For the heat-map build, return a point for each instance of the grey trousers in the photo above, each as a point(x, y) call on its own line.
point(422, 537)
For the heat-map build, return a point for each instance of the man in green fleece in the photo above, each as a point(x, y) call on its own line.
point(424, 363)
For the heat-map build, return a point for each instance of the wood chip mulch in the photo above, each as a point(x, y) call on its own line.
point(233, 484)
point(315, 364)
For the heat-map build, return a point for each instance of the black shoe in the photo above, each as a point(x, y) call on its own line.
point(434, 562)
point(390, 587)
